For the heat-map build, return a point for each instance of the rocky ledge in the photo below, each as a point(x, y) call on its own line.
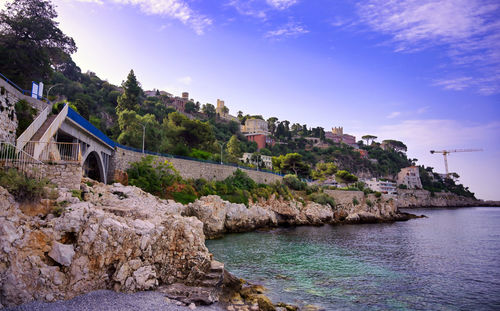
point(113, 237)
point(220, 217)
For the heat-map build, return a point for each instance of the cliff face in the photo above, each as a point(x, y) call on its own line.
point(423, 198)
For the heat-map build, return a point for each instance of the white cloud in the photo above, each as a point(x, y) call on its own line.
point(393, 115)
point(250, 8)
point(281, 4)
point(176, 9)
point(468, 30)
point(291, 29)
point(187, 80)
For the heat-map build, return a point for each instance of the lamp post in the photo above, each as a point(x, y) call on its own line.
point(143, 135)
point(221, 148)
point(50, 88)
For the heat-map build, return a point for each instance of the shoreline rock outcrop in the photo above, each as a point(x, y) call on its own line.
point(424, 198)
point(119, 238)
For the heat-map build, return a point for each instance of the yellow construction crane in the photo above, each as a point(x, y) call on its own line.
point(446, 152)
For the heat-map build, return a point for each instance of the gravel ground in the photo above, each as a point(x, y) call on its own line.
point(104, 300)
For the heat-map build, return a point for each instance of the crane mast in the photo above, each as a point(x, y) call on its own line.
point(445, 156)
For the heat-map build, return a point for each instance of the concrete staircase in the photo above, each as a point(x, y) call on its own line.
point(43, 128)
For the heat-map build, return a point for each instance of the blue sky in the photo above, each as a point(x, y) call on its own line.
point(426, 72)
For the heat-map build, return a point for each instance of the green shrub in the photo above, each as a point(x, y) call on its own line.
point(240, 180)
point(77, 194)
point(369, 203)
point(355, 201)
point(322, 198)
point(23, 189)
point(25, 115)
point(294, 183)
point(183, 197)
point(200, 154)
point(312, 189)
point(152, 178)
point(378, 194)
point(402, 186)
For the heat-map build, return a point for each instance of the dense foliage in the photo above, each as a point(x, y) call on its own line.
point(24, 189)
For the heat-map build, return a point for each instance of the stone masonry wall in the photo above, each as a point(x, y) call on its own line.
point(67, 175)
point(9, 96)
point(187, 168)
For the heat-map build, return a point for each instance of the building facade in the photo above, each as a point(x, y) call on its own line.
point(264, 160)
point(337, 136)
point(375, 184)
point(410, 177)
point(256, 130)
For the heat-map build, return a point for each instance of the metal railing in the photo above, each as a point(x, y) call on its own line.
point(22, 91)
point(53, 152)
point(11, 157)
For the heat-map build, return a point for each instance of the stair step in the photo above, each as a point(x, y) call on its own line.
point(43, 128)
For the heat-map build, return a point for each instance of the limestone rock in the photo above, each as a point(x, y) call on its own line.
point(120, 238)
point(62, 254)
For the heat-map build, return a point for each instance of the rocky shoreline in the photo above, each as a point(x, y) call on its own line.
point(424, 199)
point(120, 238)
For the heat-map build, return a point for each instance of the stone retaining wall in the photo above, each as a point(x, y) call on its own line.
point(68, 175)
point(187, 168)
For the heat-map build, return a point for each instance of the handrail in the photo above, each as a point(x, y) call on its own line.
point(10, 156)
point(33, 128)
point(51, 131)
point(54, 152)
point(23, 91)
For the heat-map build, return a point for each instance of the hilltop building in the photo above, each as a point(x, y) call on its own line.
point(179, 103)
point(337, 136)
point(266, 160)
point(153, 93)
point(223, 112)
point(375, 184)
point(410, 177)
point(256, 130)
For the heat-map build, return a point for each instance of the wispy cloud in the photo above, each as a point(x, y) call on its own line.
point(176, 9)
point(187, 80)
point(393, 115)
point(290, 29)
point(260, 8)
point(250, 8)
point(281, 4)
point(468, 30)
point(423, 109)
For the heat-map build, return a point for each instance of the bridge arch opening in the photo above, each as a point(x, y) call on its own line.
point(92, 167)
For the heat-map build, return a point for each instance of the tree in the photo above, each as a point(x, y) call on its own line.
point(31, 43)
point(233, 147)
point(271, 125)
point(395, 144)
point(179, 132)
point(131, 98)
point(209, 110)
point(190, 107)
point(368, 138)
point(291, 163)
point(346, 177)
point(323, 171)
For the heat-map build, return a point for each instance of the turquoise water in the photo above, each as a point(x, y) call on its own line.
point(449, 261)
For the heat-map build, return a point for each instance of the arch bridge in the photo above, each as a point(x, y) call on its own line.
point(68, 137)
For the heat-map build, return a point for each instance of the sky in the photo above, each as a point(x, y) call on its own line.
point(426, 72)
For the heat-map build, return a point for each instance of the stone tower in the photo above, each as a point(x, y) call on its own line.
point(339, 131)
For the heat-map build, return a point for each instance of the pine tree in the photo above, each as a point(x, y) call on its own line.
point(132, 96)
